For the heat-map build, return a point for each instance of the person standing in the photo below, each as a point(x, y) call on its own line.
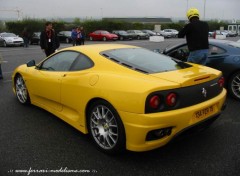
point(83, 35)
point(196, 33)
point(49, 42)
point(25, 35)
point(79, 36)
point(74, 36)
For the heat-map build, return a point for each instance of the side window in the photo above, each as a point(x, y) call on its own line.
point(215, 50)
point(60, 62)
point(81, 63)
point(181, 53)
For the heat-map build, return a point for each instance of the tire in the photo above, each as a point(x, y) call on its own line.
point(104, 39)
point(138, 37)
point(21, 90)
point(90, 38)
point(121, 38)
point(67, 40)
point(234, 85)
point(106, 128)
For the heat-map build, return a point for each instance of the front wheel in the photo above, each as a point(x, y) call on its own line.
point(234, 85)
point(106, 128)
point(21, 90)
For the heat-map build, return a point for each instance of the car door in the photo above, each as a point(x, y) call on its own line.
point(45, 86)
point(76, 85)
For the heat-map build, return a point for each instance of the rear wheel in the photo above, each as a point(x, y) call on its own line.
point(90, 38)
point(106, 128)
point(234, 85)
point(21, 90)
point(121, 37)
point(4, 44)
point(104, 39)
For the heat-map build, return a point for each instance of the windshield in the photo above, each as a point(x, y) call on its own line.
point(143, 60)
point(122, 32)
point(8, 35)
point(104, 32)
point(235, 44)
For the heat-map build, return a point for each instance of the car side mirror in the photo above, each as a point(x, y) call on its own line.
point(31, 63)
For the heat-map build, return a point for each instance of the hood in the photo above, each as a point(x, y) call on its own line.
point(13, 38)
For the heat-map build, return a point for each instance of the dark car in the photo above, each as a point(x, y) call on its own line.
point(149, 32)
point(65, 36)
point(223, 55)
point(102, 35)
point(137, 34)
point(1, 41)
point(35, 38)
point(123, 35)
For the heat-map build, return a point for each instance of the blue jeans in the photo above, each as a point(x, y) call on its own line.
point(198, 56)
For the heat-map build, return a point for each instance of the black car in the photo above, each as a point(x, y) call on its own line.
point(65, 36)
point(35, 38)
point(123, 35)
point(223, 55)
point(1, 41)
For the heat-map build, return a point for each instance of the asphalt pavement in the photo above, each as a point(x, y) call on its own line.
point(35, 142)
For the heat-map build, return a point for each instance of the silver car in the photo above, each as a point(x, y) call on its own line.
point(11, 39)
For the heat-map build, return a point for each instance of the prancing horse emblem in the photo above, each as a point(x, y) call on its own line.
point(204, 92)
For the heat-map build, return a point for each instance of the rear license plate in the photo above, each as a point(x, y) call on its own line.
point(204, 112)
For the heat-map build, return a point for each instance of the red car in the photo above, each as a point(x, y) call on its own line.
point(102, 35)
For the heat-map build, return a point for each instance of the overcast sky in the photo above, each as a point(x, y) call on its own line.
point(214, 9)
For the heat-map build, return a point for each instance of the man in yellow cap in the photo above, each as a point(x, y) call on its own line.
point(196, 33)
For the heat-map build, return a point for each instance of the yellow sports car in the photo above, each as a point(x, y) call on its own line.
point(126, 97)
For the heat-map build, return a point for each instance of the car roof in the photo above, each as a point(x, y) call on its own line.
point(97, 48)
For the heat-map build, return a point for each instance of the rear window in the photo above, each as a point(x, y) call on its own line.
point(142, 60)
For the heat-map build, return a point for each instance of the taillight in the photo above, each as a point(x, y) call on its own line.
point(154, 102)
point(221, 82)
point(171, 99)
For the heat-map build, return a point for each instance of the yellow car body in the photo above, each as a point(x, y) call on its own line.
point(71, 95)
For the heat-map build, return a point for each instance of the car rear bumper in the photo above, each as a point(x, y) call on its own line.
point(139, 126)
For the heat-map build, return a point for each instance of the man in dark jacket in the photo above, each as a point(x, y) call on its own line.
point(48, 40)
point(196, 33)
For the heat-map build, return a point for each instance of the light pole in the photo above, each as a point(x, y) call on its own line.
point(204, 9)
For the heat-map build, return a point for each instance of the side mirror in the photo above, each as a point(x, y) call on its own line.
point(31, 63)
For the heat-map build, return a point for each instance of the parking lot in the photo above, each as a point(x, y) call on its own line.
point(33, 141)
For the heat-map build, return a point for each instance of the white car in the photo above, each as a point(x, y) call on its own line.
point(11, 39)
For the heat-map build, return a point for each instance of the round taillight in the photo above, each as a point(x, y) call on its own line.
point(171, 99)
point(221, 82)
point(154, 102)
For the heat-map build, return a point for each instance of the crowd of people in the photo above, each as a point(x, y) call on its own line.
point(78, 36)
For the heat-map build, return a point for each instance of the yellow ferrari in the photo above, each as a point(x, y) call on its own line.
point(125, 97)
